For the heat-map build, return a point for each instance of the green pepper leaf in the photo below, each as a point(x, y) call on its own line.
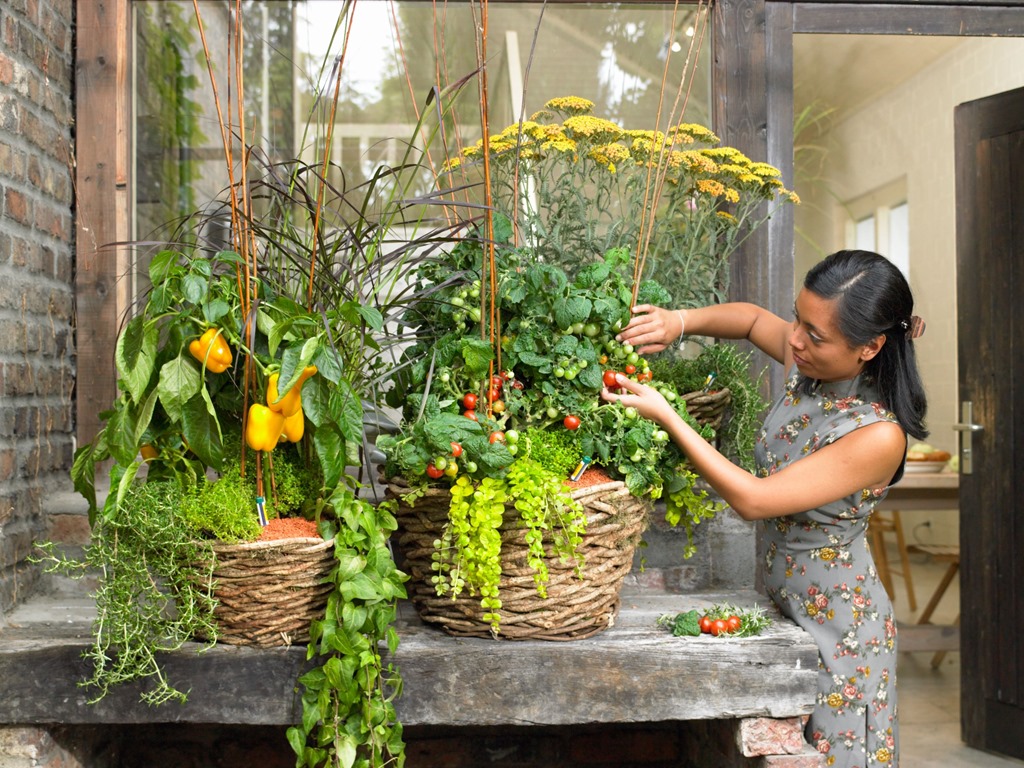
point(135, 355)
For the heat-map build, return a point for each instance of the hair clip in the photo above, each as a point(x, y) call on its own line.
point(916, 327)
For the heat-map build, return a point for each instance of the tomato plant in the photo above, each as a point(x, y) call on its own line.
point(571, 422)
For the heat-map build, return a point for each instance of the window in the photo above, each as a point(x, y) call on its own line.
point(879, 221)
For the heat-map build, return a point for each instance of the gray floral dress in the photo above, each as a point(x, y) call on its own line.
point(820, 573)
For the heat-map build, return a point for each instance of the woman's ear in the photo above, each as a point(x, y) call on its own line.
point(872, 348)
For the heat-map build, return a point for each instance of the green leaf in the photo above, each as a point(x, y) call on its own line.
point(179, 382)
point(327, 363)
point(372, 316)
point(120, 433)
point(591, 377)
point(135, 355)
point(346, 754)
point(214, 310)
point(161, 266)
point(293, 360)
point(143, 416)
point(575, 309)
point(330, 448)
point(194, 288)
point(478, 355)
point(202, 430)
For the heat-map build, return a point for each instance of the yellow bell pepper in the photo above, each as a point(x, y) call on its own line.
point(291, 402)
point(263, 429)
point(295, 426)
point(212, 351)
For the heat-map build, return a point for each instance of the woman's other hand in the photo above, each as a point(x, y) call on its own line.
point(648, 401)
point(652, 328)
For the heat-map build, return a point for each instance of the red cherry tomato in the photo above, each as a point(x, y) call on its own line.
point(734, 623)
point(470, 415)
point(571, 422)
point(630, 369)
point(517, 384)
point(469, 401)
point(493, 394)
point(497, 382)
point(497, 437)
point(705, 624)
point(609, 379)
point(456, 450)
point(719, 627)
point(433, 471)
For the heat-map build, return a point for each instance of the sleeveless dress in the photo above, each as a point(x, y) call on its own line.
point(820, 573)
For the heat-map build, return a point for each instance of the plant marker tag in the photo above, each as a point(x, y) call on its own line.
point(709, 381)
point(261, 511)
point(580, 469)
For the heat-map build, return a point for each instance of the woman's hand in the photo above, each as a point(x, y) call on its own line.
point(648, 401)
point(652, 328)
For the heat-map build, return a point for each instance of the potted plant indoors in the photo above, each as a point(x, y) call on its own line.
point(514, 341)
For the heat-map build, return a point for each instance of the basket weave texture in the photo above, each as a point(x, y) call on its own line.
point(708, 407)
point(575, 607)
point(268, 592)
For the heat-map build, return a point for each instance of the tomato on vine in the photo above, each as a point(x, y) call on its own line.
point(434, 472)
point(498, 406)
point(571, 422)
point(497, 437)
point(470, 415)
point(630, 369)
point(609, 379)
point(469, 401)
point(456, 449)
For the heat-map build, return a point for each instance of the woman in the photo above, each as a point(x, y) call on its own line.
point(830, 447)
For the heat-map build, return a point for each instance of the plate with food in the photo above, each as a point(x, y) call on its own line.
point(922, 457)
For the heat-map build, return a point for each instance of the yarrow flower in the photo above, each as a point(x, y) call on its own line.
point(572, 105)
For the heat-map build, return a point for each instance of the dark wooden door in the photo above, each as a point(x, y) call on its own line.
point(990, 295)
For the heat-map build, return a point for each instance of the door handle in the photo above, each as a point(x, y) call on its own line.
point(966, 427)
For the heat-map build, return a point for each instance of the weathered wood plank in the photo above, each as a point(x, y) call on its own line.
point(633, 672)
point(908, 19)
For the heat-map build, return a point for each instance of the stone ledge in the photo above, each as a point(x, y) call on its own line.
point(633, 672)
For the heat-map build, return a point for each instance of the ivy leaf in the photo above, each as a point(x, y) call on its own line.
point(179, 382)
point(135, 355)
point(202, 430)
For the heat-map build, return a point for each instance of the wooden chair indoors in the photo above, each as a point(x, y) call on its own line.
point(880, 524)
point(942, 554)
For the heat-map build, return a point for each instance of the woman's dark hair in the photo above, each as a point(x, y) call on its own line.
point(872, 299)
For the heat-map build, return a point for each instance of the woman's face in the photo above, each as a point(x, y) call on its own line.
point(820, 351)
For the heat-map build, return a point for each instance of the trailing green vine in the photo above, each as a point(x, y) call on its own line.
point(545, 505)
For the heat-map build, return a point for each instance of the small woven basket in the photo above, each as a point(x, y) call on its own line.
point(708, 408)
point(268, 592)
point(574, 608)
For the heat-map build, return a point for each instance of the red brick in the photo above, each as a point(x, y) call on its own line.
point(808, 759)
point(767, 736)
point(17, 207)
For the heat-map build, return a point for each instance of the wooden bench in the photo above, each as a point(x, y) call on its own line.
point(634, 672)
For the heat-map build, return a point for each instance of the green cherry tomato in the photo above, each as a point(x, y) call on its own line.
point(637, 455)
point(513, 449)
point(627, 348)
point(470, 467)
point(552, 412)
point(441, 463)
point(511, 436)
point(559, 372)
point(630, 413)
point(591, 329)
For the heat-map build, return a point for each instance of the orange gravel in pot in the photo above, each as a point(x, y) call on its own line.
point(289, 528)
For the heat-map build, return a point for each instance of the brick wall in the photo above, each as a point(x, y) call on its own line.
point(36, 274)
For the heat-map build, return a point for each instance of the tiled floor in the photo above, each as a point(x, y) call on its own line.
point(929, 699)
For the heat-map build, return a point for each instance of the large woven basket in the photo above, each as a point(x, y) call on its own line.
point(268, 592)
point(574, 608)
point(708, 407)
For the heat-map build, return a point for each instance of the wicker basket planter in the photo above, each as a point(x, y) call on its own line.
point(708, 407)
point(575, 607)
point(268, 592)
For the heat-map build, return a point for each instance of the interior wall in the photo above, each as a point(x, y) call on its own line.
point(907, 133)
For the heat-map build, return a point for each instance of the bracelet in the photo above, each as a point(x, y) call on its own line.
point(682, 325)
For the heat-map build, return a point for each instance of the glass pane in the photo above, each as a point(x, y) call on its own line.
point(864, 234)
point(397, 52)
point(899, 238)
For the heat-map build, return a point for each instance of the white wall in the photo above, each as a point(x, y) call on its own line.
point(907, 134)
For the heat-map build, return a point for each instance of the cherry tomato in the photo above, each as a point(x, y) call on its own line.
point(471, 467)
point(497, 437)
point(441, 463)
point(603, 359)
point(469, 401)
point(456, 450)
point(452, 470)
point(497, 382)
point(719, 627)
point(734, 623)
point(470, 415)
point(705, 624)
point(630, 369)
point(511, 436)
point(571, 422)
point(498, 406)
point(493, 394)
point(609, 379)
point(517, 384)
point(433, 471)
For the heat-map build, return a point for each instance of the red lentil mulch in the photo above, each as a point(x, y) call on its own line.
point(592, 476)
point(289, 528)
